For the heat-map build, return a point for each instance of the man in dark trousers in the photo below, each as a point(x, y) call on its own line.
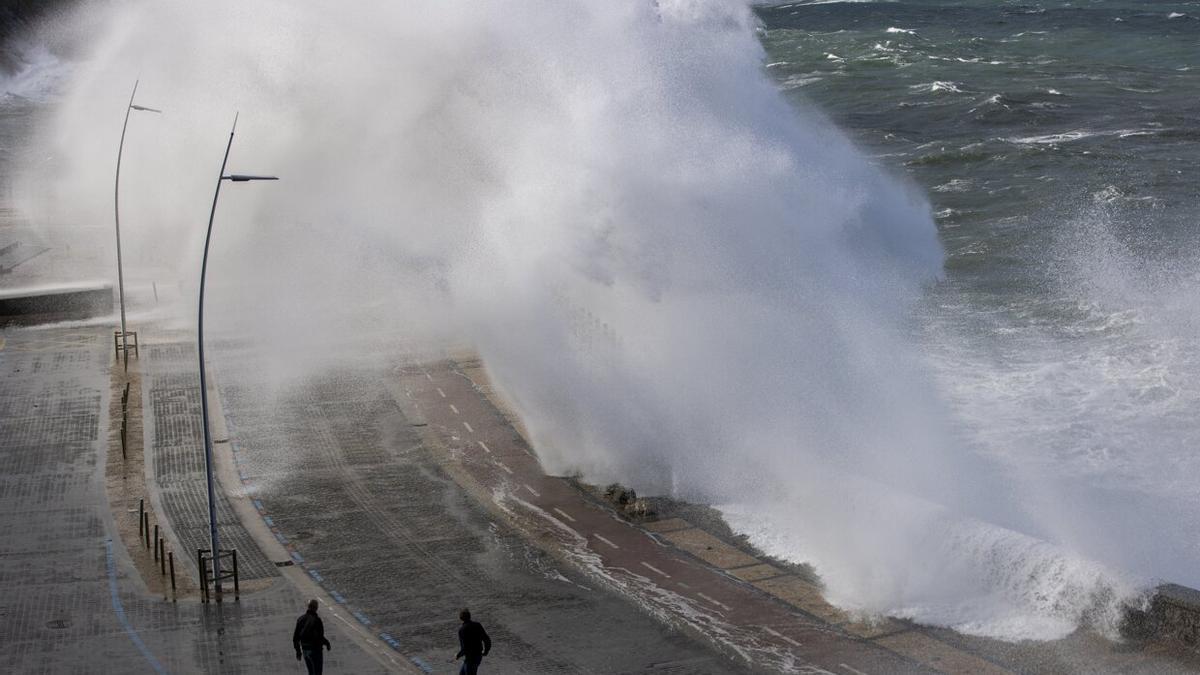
point(473, 643)
point(308, 639)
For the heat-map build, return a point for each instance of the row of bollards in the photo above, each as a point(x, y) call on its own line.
point(164, 558)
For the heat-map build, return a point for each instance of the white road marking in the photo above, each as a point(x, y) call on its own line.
point(783, 637)
point(601, 538)
point(856, 671)
point(485, 447)
point(467, 425)
point(652, 568)
point(441, 393)
point(504, 466)
point(714, 601)
point(564, 514)
point(535, 492)
point(454, 409)
point(427, 375)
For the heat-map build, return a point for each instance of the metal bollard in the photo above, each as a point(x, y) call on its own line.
point(123, 437)
point(171, 564)
point(156, 540)
point(146, 521)
point(141, 513)
point(162, 557)
point(203, 575)
point(236, 590)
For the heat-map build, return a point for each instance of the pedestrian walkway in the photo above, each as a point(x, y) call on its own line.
point(175, 441)
point(71, 601)
point(344, 482)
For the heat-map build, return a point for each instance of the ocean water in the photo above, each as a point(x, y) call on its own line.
point(907, 290)
point(1059, 146)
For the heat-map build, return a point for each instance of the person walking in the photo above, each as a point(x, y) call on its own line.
point(473, 643)
point(309, 637)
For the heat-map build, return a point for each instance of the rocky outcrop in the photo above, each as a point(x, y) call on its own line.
point(627, 502)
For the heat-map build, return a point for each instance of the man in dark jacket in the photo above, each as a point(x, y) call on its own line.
point(473, 643)
point(308, 638)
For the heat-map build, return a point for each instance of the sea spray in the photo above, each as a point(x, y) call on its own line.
point(681, 281)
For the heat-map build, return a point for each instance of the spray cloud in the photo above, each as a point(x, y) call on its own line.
point(681, 281)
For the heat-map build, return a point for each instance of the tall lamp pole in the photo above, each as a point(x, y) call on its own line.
point(208, 452)
point(117, 216)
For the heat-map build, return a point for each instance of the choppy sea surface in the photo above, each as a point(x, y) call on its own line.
point(1059, 146)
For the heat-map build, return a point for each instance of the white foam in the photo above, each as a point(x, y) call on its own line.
point(938, 86)
point(1052, 139)
point(974, 577)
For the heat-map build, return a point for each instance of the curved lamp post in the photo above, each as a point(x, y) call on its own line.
point(208, 453)
point(117, 216)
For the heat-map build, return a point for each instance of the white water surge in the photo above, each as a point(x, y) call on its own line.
point(683, 283)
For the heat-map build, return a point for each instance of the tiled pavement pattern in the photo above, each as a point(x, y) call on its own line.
point(69, 602)
point(342, 478)
point(174, 437)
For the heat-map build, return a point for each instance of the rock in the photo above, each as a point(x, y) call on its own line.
point(641, 508)
point(619, 494)
point(627, 501)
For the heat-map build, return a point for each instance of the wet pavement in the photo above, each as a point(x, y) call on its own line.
point(368, 510)
point(397, 494)
point(72, 601)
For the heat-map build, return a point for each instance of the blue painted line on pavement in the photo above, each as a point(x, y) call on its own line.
point(258, 505)
point(269, 521)
point(297, 557)
point(316, 576)
point(362, 618)
point(337, 597)
point(120, 610)
point(283, 540)
point(422, 664)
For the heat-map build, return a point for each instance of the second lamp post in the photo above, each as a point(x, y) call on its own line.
point(208, 451)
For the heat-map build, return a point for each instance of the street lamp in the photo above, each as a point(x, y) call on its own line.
point(117, 216)
point(208, 453)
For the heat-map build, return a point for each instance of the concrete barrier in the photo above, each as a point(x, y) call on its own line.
point(60, 302)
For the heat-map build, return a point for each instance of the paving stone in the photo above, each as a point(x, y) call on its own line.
point(709, 549)
point(58, 610)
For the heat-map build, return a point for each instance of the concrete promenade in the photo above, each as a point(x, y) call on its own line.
point(353, 495)
point(72, 601)
point(396, 491)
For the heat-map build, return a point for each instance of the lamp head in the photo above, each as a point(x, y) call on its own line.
point(242, 178)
